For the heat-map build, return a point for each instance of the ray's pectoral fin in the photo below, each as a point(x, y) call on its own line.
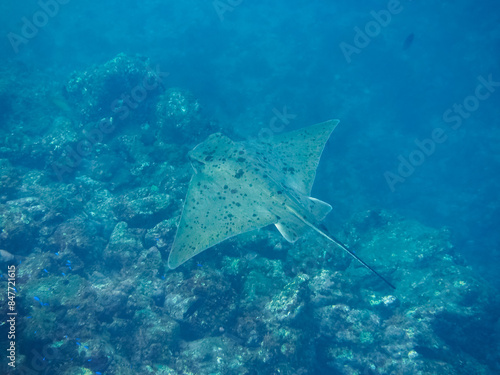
point(297, 154)
point(213, 212)
point(242, 186)
point(292, 228)
point(318, 209)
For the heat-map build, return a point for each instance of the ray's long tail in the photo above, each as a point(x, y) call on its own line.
point(346, 249)
point(343, 247)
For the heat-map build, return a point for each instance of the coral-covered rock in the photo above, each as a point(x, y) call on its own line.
point(80, 236)
point(120, 87)
point(287, 305)
point(123, 247)
point(21, 221)
point(162, 234)
point(9, 180)
point(143, 209)
point(327, 289)
point(177, 114)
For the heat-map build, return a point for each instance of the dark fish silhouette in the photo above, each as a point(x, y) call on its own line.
point(408, 41)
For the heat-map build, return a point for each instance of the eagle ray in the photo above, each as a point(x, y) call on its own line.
point(241, 186)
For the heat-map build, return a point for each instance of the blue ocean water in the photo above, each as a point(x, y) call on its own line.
point(415, 160)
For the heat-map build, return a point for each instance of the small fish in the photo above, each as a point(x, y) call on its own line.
point(408, 41)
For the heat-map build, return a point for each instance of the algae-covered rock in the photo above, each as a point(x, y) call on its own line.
point(118, 87)
point(178, 117)
point(9, 180)
point(264, 277)
point(289, 303)
point(327, 289)
point(80, 236)
point(21, 220)
point(154, 338)
point(123, 246)
point(162, 234)
point(144, 210)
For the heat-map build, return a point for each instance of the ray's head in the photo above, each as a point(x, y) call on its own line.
point(213, 148)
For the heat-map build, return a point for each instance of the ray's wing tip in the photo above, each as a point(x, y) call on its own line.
point(173, 261)
point(177, 257)
point(172, 265)
point(328, 125)
point(333, 123)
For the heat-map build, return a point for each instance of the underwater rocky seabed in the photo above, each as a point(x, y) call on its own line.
point(92, 233)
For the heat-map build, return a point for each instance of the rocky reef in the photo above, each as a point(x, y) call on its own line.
point(90, 218)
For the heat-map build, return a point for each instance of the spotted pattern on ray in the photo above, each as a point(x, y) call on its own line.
point(242, 186)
